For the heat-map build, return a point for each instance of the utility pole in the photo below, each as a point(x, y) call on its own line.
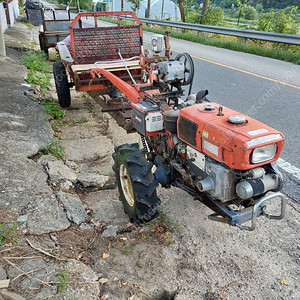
point(2, 43)
point(162, 9)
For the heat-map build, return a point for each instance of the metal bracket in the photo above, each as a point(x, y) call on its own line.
point(258, 209)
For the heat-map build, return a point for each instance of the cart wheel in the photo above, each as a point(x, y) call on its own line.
point(62, 85)
point(136, 183)
point(43, 45)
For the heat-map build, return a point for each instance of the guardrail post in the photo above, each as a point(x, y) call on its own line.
point(245, 41)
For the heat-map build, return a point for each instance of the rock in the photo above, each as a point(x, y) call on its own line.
point(85, 226)
point(72, 164)
point(106, 206)
point(22, 219)
point(93, 180)
point(3, 275)
point(66, 186)
point(75, 209)
point(39, 270)
point(10, 295)
point(45, 159)
point(47, 217)
point(59, 171)
point(110, 231)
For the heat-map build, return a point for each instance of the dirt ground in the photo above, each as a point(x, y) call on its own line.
point(181, 255)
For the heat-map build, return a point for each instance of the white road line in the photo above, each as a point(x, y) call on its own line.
point(286, 166)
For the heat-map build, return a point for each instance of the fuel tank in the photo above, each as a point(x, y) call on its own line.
point(229, 136)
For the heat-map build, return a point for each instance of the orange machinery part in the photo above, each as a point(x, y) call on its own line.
point(229, 143)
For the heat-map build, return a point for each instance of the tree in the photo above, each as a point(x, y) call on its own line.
point(181, 9)
point(84, 4)
point(135, 4)
point(148, 9)
point(205, 6)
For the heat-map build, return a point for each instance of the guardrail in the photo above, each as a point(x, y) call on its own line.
point(293, 39)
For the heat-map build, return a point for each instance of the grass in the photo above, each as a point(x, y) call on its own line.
point(63, 280)
point(8, 234)
point(39, 68)
point(55, 148)
point(54, 110)
point(35, 61)
point(266, 49)
point(160, 229)
point(28, 24)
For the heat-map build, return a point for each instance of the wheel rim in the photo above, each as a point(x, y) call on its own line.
point(188, 67)
point(126, 185)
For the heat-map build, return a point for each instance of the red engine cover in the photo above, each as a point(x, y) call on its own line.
point(227, 139)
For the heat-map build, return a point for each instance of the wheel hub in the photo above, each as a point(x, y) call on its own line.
point(126, 185)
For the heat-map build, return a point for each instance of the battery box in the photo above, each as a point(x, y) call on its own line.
point(147, 118)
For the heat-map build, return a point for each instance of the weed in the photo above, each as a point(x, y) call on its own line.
point(36, 61)
point(55, 148)
point(91, 109)
point(56, 125)
point(54, 109)
point(126, 251)
point(39, 68)
point(25, 22)
point(63, 279)
point(38, 78)
point(160, 229)
point(85, 96)
point(30, 44)
point(77, 121)
point(7, 233)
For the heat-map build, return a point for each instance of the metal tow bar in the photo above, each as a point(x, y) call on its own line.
point(258, 209)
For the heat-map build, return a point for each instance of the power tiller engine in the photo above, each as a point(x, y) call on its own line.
point(225, 159)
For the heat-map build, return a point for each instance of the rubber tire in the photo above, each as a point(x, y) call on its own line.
point(146, 202)
point(61, 84)
point(43, 45)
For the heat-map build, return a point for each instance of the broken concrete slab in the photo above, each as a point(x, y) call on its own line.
point(58, 171)
point(22, 182)
point(106, 206)
point(79, 150)
point(93, 180)
point(74, 207)
point(47, 217)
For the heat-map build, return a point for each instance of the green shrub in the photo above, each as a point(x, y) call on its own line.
point(194, 16)
point(279, 22)
point(250, 12)
point(259, 7)
point(214, 16)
